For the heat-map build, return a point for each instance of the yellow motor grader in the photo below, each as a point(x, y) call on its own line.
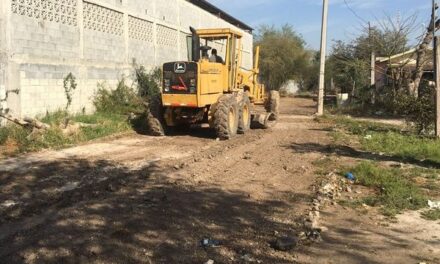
point(214, 88)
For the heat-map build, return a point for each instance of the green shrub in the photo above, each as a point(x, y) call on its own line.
point(4, 133)
point(123, 100)
point(55, 118)
point(148, 82)
point(419, 111)
point(149, 90)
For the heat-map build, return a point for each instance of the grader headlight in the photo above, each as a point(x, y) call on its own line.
point(192, 86)
point(166, 85)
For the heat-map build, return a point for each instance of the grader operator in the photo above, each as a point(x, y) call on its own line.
point(218, 92)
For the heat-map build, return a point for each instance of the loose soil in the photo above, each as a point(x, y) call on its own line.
point(141, 199)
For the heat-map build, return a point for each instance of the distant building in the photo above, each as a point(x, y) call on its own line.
point(291, 87)
point(398, 69)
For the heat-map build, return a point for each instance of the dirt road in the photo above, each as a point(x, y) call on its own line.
point(140, 199)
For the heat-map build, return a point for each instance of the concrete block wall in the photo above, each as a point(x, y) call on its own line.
point(3, 72)
point(41, 42)
point(43, 39)
point(3, 57)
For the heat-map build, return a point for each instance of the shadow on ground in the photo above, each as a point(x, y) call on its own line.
point(355, 241)
point(140, 126)
point(78, 211)
point(346, 151)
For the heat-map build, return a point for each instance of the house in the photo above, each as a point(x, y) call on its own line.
point(398, 69)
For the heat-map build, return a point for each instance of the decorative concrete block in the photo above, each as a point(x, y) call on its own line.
point(46, 37)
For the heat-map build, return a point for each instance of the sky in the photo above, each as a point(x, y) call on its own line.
point(344, 21)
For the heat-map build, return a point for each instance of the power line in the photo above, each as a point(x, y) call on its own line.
point(354, 12)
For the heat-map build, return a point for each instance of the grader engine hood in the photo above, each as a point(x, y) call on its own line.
point(180, 78)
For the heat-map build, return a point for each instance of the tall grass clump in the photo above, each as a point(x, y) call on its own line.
point(395, 193)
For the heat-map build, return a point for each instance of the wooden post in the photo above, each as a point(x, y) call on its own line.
point(373, 77)
point(437, 85)
point(353, 91)
point(372, 66)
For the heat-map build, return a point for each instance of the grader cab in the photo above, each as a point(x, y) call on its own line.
point(213, 88)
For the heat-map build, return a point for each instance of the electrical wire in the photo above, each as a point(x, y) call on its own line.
point(354, 12)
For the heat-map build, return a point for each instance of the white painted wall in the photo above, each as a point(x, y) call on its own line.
point(96, 40)
point(3, 58)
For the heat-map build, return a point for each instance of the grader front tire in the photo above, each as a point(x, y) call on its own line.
point(244, 123)
point(226, 118)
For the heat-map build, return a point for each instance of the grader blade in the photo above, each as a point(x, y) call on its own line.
point(263, 120)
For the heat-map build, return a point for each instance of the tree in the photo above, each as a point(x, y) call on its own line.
point(283, 56)
point(391, 35)
point(310, 75)
point(347, 67)
point(349, 63)
point(421, 56)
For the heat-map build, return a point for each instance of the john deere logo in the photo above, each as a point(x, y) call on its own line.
point(179, 67)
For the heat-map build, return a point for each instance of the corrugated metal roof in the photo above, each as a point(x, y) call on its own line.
point(405, 59)
point(220, 13)
point(401, 56)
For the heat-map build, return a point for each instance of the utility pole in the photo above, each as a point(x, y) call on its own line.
point(436, 71)
point(323, 57)
point(373, 66)
point(437, 85)
point(353, 90)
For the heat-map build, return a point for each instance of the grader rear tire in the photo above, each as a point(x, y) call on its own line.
point(244, 122)
point(226, 118)
point(274, 104)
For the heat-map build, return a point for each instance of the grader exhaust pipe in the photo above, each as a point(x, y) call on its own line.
point(195, 43)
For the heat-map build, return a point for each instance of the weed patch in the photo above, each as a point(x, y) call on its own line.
point(339, 137)
point(24, 140)
point(362, 127)
point(324, 165)
point(388, 139)
point(432, 215)
point(403, 146)
point(395, 192)
point(351, 203)
point(108, 124)
point(122, 100)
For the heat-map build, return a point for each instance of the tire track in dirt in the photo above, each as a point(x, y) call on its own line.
point(149, 200)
